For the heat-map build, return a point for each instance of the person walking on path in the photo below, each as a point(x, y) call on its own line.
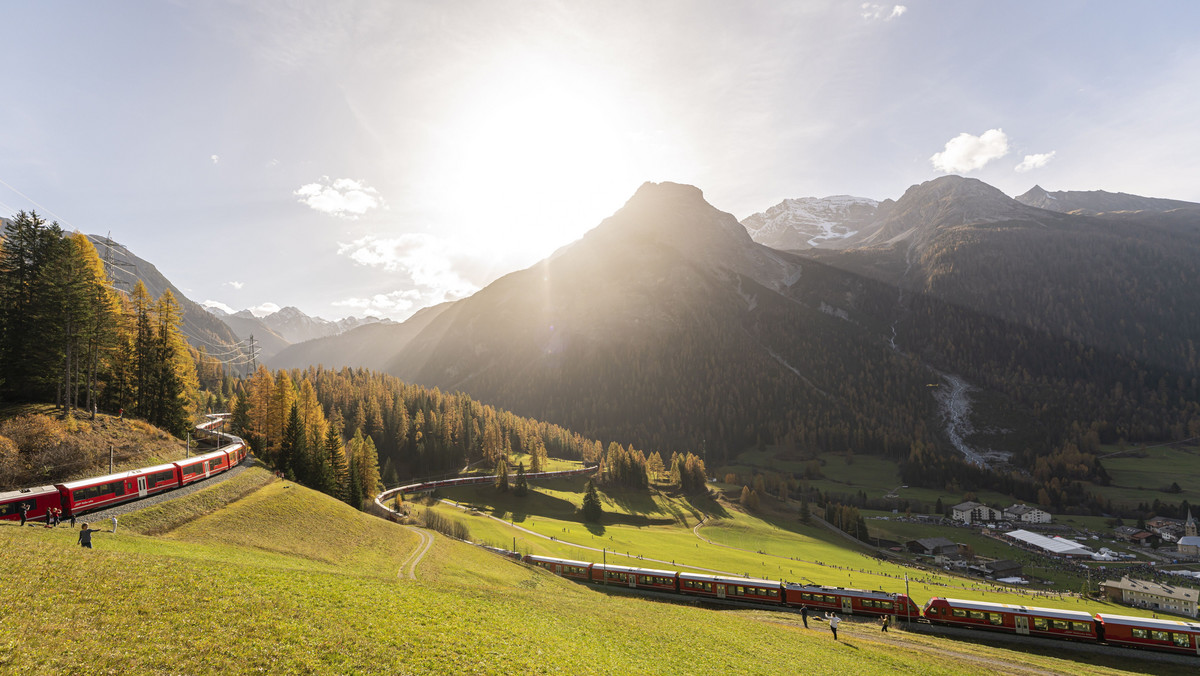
point(804, 615)
point(85, 535)
point(883, 623)
point(24, 509)
point(834, 620)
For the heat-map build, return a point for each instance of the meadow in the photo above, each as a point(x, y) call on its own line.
point(285, 580)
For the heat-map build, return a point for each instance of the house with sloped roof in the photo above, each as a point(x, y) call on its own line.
point(1152, 595)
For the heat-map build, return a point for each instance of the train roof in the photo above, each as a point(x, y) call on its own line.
point(635, 571)
point(72, 485)
point(26, 493)
point(865, 593)
point(1168, 625)
point(1074, 615)
point(734, 580)
point(551, 559)
point(199, 458)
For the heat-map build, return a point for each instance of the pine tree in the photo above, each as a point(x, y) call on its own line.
point(338, 471)
point(502, 475)
point(521, 486)
point(27, 370)
point(291, 448)
point(593, 510)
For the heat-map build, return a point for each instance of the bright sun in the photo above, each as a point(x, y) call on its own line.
point(542, 155)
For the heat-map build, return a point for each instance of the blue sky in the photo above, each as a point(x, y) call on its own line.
point(377, 157)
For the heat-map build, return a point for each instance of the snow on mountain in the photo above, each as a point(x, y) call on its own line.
point(810, 222)
point(289, 323)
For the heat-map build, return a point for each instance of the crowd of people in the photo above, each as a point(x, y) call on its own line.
point(54, 518)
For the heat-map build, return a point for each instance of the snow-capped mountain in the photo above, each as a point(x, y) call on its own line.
point(286, 326)
point(810, 222)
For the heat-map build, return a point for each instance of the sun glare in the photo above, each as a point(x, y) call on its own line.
point(543, 155)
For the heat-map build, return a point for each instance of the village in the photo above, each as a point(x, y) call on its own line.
point(1131, 565)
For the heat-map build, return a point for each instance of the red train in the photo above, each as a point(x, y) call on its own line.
point(1117, 630)
point(89, 495)
point(751, 590)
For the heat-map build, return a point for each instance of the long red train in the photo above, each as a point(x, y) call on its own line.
point(89, 495)
point(1119, 630)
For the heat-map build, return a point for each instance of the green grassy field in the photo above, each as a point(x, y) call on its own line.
point(285, 580)
point(658, 532)
point(1143, 479)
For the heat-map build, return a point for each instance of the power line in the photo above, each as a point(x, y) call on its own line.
point(56, 216)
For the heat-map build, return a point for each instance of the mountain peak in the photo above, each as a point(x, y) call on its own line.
point(1097, 201)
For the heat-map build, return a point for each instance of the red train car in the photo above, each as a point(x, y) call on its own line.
point(1152, 634)
point(88, 495)
point(731, 588)
point(1025, 620)
point(38, 500)
point(202, 466)
point(850, 601)
point(637, 578)
point(579, 570)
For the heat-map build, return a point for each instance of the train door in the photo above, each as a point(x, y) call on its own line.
point(632, 580)
point(846, 607)
point(141, 487)
point(720, 591)
point(1022, 625)
point(205, 469)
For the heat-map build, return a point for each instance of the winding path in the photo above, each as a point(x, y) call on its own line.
point(417, 554)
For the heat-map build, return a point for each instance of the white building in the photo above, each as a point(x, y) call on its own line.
point(974, 512)
point(1026, 514)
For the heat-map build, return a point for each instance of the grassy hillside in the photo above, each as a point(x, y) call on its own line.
point(286, 580)
point(664, 531)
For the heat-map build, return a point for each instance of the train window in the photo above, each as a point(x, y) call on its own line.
point(772, 593)
point(1081, 626)
point(806, 596)
point(1059, 624)
point(1140, 633)
point(830, 599)
point(996, 618)
point(1158, 635)
point(868, 603)
point(1040, 623)
point(959, 612)
point(1182, 640)
point(976, 614)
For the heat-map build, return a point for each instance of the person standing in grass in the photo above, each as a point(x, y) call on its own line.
point(24, 509)
point(834, 620)
point(85, 535)
point(114, 520)
point(883, 623)
point(804, 615)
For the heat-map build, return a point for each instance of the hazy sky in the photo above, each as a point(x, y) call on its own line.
point(377, 157)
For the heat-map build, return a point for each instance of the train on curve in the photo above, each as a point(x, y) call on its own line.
point(89, 495)
point(1117, 630)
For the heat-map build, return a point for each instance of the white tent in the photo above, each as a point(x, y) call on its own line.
point(1056, 545)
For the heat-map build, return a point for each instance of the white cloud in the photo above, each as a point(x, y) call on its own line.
point(219, 305)
point(343, 197)
point(881, 12)
point(236, 285)
point(395, 304)
point(215, 158)
point(264, 309)
point(965, 152)
point(1032, 162)
point(272, 164)
point(432, 263)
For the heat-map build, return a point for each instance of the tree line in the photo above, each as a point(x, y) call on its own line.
point(68, 336)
